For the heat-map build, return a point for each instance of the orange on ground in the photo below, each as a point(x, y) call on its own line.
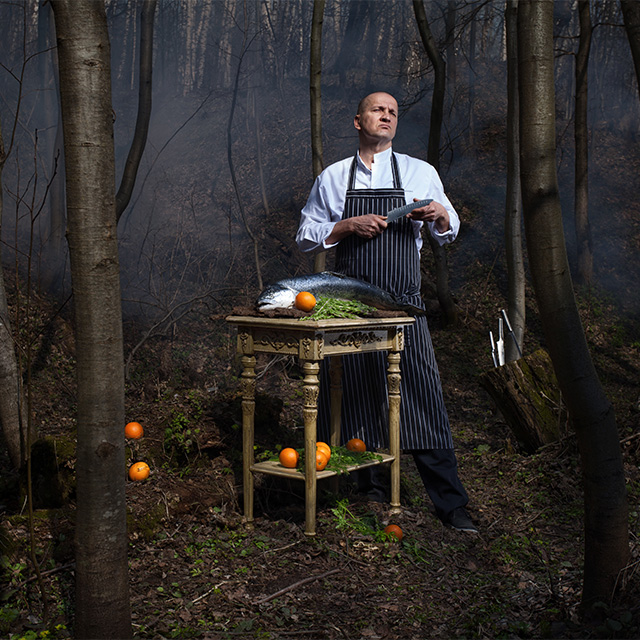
point(325, 448)
point(139, 471)
point(321, 460)
point(289, 458)
point(133, 430)
point(305, 301)
point(355, 444)
point(394, 530)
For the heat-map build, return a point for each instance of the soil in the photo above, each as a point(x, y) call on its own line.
point(198, 571)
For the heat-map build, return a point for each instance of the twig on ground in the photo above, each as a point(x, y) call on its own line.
point(295, 585)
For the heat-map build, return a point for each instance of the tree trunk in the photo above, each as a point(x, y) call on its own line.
point(13, 416)
point(144, 108)
point(583, 230)
point(102, 581)
point(631, 16)
point(433, 156)
point(320, 259)
point(591, 413)
point(516, 308)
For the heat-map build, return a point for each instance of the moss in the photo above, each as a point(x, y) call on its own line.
point(146, 525)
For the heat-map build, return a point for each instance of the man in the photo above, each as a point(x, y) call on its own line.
point(346, 209)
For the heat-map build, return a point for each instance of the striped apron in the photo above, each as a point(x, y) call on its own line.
point(391, 261)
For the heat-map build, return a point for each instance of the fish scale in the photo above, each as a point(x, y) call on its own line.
point(282, 294)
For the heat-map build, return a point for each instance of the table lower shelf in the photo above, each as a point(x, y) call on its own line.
point(274, 468)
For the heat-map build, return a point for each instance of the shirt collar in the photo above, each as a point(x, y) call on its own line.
point(378, 158)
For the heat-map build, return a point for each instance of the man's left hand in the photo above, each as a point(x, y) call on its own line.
point(433, 212)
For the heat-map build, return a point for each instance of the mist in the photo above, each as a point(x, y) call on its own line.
point(183, 238)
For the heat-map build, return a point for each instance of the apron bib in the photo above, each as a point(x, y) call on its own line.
point(390, 261)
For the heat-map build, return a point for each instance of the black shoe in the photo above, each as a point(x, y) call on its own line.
point(459, 519)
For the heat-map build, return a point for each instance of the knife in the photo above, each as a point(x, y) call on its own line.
point(399, 212)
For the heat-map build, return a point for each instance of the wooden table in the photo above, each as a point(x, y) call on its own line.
point(312, 341)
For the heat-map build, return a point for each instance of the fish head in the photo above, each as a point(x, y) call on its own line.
point(276, 296)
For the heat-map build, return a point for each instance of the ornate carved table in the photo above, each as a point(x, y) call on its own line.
point(312, 341)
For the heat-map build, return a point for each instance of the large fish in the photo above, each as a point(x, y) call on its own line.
point(282, 294)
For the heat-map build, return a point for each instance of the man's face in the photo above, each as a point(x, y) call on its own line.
point(378, 118)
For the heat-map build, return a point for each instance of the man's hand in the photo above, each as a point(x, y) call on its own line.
point(367, 226)
point(433, 212)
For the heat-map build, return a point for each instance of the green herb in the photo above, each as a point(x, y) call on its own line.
point(327, 308)
point(340, 461)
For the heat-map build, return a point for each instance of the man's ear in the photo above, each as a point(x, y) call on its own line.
point(356, 122)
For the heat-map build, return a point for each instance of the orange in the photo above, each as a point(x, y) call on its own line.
point(139, 471)
point(133, 430)
point(355, 444)
point(394, 530)
point(305, 301)
point(325, 448)
point(289, 458)
point(321, 460)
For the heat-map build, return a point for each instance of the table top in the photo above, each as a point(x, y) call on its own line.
point(317, 339)
point(299, 324)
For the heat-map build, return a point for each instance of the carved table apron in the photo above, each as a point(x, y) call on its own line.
point(312, 341)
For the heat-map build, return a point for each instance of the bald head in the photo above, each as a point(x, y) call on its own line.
point(372, 97)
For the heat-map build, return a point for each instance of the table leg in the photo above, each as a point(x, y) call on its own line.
point(248, 386)
point(393, 383)
point(310, 413)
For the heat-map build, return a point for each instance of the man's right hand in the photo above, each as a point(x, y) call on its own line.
point(367, 226)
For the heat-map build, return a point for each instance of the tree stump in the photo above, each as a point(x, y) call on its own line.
point(526, 393)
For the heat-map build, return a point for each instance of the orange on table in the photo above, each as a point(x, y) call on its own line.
point(325, 448)
point(305, 301)
point(139, 471)
point(133, 430)
point(289, 458)
point(321, 460)
point(394, 530)
point(355, 444)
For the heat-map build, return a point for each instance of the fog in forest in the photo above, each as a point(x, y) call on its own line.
point(186, 235)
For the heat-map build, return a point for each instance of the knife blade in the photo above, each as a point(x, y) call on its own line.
point(399, 212)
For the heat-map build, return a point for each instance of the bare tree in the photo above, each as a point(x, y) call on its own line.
point(433, 156)
point(144, 108)
point(102, 581)
point(516, 308)
point(605, 498)
point(315, 97)
point(581, 135)
point(13, 416)
point(631, 16)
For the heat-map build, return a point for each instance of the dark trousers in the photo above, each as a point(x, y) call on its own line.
point(438, 469)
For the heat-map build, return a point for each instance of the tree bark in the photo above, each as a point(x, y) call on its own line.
point(315, 94)
point(631, 17)
point(591, 413)
point(581, 134)
point(144, 108)
point(102, 581)
point(516, 308)
point(13, 415)
point(433, 156)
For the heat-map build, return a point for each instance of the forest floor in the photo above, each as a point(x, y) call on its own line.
point(197, 571)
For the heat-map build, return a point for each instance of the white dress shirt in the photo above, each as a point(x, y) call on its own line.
point(326, 201)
